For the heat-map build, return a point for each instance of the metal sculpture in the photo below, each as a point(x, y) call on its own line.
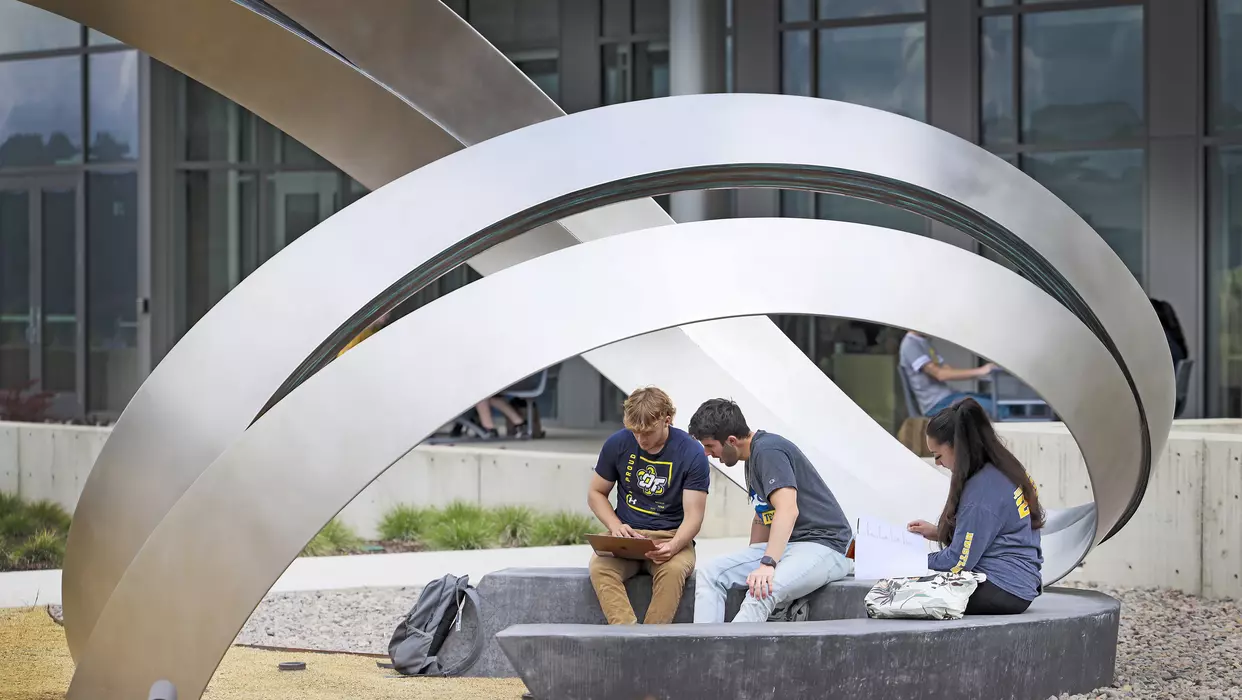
point(223, 545)
point(192, 471)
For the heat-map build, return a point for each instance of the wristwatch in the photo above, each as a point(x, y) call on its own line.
point(768, 561)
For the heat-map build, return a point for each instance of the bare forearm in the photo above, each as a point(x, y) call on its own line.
point(603, 510)
point(689, 529)
point(949, 374)
point(758, 532)
point(778, 535)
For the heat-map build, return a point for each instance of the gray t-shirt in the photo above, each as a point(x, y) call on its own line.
point(916, 352)
point(778, 463)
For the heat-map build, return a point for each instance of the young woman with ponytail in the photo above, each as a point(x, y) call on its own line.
point(992, 517)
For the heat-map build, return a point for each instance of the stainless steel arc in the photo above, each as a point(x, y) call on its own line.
point(348, 116)
point(221, 547)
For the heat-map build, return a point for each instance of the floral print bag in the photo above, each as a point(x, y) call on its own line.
point(941, 596)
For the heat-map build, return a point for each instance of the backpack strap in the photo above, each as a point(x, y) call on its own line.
point(476, 646)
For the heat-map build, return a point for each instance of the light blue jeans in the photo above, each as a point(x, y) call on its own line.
point(804, 567)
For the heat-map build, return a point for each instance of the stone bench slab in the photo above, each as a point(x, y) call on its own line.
point(564, 596)
point(1065, 643)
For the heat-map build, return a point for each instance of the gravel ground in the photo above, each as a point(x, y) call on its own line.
point(357, 620)
point(1172, 645)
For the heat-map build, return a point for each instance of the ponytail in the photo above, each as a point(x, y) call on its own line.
point(966, 428)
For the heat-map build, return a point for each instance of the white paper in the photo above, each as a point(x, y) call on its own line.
point(884, 550)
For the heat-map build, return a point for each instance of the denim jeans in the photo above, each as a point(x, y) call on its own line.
point(804, 567)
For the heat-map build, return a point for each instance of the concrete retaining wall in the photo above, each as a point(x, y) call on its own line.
point(51, 462)
point(1187, 534)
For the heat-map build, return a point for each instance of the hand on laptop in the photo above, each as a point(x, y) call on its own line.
point(623, 530)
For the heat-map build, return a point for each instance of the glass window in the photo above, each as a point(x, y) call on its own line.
point(1106, 189)
point(795, 10)
point(651, 17)
point(60, 290)
point(636, 71)
point(796, 62)
point(1224, 297)
point(290, 151)
point(996, 3)
point(543, 68)
point(97, 38)
point(1082, 75)
point(862, 211)
point(112, 290)
point(213, 127)
point(516, 21)
point(1225, 68)
point(14, 288)
point(879, 66)
point(998, 120)
point(296, 203)
point(114, 106)
point(27, 28)
point(810, 205)
point(838, 9)
point(41, 112)
point(217, 224)
point(615, 18)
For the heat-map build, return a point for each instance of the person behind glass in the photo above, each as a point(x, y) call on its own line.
point(661, 476)
point(992, 517)
point(928, 375)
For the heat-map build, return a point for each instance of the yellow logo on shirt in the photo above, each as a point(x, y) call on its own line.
point(961, 562)
point(1019, 500)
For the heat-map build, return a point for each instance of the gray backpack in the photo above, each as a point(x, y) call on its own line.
point(417, 640)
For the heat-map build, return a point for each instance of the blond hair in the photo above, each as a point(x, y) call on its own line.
point(646, 408)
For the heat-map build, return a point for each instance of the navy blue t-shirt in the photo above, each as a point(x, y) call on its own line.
point(993, 535)
point(649, 487)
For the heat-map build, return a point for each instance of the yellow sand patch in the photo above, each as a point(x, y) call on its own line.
point(35, 665)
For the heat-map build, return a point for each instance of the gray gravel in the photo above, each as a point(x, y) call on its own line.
point(357, 620)
point(1172, 645)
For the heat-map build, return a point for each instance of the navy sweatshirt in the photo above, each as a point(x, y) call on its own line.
point(994, 536)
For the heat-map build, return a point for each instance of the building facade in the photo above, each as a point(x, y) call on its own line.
point(132, 198)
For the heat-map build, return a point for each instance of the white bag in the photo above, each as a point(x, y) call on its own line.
point(942, 596)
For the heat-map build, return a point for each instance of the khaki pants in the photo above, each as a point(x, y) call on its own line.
point(668, 581)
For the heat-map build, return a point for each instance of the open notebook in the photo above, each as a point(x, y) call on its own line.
point(885, 550)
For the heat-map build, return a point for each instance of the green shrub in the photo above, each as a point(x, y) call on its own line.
point(48, 515)
point(43, 550)
point(514, 525)
point(462, 534)
point(461, 511)
point(335, 538)
point(17, 525)
point(562, 528)
point(406, 523)
point(463, 525)
point(9, 503)
point(32, 535)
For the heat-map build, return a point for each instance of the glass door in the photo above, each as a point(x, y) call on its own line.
point(41, 302)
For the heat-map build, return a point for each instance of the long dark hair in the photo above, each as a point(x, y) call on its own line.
point(965, 427)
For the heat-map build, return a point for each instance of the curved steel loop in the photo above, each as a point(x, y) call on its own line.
point(164, 39)
point(583, 162)
point(349, 117)
point(222, 546)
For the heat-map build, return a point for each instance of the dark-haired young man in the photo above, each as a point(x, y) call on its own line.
point(799, 535)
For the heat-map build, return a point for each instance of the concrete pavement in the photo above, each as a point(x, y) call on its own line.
point(26, 588)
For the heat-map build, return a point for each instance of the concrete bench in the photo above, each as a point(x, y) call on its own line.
point(1065, 643)
point(564, 596)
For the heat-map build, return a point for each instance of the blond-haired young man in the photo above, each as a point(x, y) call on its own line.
point(662, 476)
